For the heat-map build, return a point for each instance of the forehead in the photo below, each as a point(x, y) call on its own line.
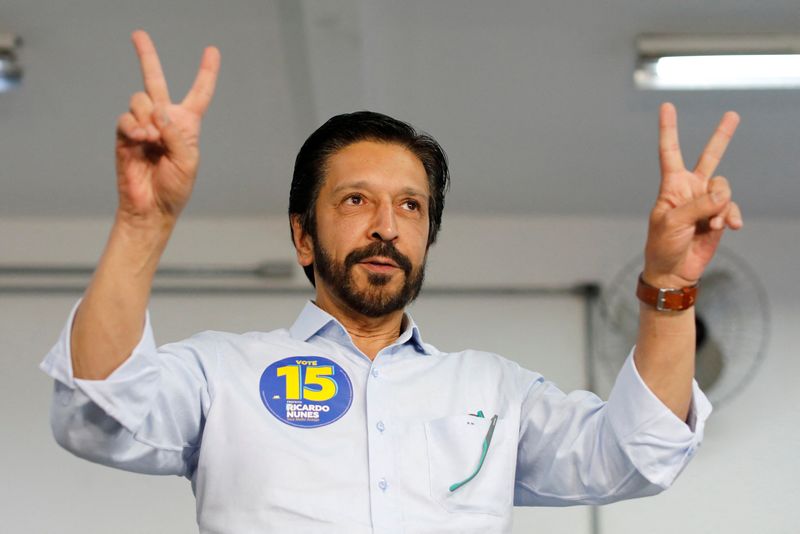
point(377, 164)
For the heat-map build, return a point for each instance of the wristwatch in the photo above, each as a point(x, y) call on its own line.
point(666, 299)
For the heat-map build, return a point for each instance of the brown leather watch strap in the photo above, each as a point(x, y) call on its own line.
point(665, 299)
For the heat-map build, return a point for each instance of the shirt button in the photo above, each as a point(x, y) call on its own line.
point(381, 426)
point(375, 372)
point(382, 484)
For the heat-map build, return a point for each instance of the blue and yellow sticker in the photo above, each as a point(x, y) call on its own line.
point(306, 391)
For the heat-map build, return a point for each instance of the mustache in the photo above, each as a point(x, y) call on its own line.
point(379, 248)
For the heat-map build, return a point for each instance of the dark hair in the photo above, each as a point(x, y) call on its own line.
point(343, 130)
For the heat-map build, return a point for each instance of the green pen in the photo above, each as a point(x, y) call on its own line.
point(486, 441)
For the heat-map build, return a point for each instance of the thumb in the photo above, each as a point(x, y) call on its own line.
point(702, 208)
point(171, 135)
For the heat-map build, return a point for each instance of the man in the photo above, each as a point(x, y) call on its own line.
point(348, 421)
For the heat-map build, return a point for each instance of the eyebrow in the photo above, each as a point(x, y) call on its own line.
point(361, 184)
point(413, 192)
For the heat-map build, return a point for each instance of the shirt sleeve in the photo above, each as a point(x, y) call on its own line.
point(576, 449)
point(147, 416)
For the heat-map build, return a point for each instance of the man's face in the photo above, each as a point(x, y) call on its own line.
point(372, 228)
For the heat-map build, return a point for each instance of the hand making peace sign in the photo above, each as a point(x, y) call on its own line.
point(157, 141)
point(692, 208)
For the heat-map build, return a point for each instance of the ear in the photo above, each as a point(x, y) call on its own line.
point(303, 244)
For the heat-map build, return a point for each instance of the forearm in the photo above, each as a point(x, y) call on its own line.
point(665, 355)
point(110, 318)
point(685, 227)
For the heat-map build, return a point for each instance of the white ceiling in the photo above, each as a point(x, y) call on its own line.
point(533, 101)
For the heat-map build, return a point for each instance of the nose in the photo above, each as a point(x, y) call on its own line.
point(384, 223)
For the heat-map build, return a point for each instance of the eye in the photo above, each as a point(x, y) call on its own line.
point(354, 200)
point(411, 205)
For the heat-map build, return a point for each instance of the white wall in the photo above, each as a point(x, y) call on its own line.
point(742, 480)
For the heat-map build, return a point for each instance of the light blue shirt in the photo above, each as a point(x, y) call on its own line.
point(359, 446)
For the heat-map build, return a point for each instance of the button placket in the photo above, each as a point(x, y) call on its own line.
point(384, 503)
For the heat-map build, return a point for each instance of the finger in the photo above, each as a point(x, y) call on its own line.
point(669, 148)
point(734, 219)
point(718, 221)
point(171, 135)
point(128, 128)
point(703, 208)
point(730, 216)
point(712, 154)
point(153, 76)
point(141, 107)
point(719, 185)
point(720, 190)
point(199, 96)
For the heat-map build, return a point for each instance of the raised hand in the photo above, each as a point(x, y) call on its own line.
point(692, 209)
point(157, 141)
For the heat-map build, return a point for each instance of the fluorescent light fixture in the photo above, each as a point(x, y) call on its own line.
point(695, 62)
point(10, 69)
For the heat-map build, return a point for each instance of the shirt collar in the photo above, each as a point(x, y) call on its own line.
point(313, 320)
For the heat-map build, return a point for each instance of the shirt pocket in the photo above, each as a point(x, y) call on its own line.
point(455, 445)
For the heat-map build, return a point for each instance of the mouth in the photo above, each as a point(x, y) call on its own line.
point(379, 264)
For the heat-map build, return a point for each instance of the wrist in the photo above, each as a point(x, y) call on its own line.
point(667, 281)
point(143, 228)
point(666, 298)
point(136, 245)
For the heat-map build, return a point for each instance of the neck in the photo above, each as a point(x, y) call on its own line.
point(369, 334)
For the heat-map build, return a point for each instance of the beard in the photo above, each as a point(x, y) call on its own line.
point(377, 299)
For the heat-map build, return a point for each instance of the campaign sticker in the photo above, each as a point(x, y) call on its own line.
point(306, 391)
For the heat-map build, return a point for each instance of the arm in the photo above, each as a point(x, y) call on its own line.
point(686, 225)
point(576, 449)
point(118, 400)
point(148, 416)
point(156, 157)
